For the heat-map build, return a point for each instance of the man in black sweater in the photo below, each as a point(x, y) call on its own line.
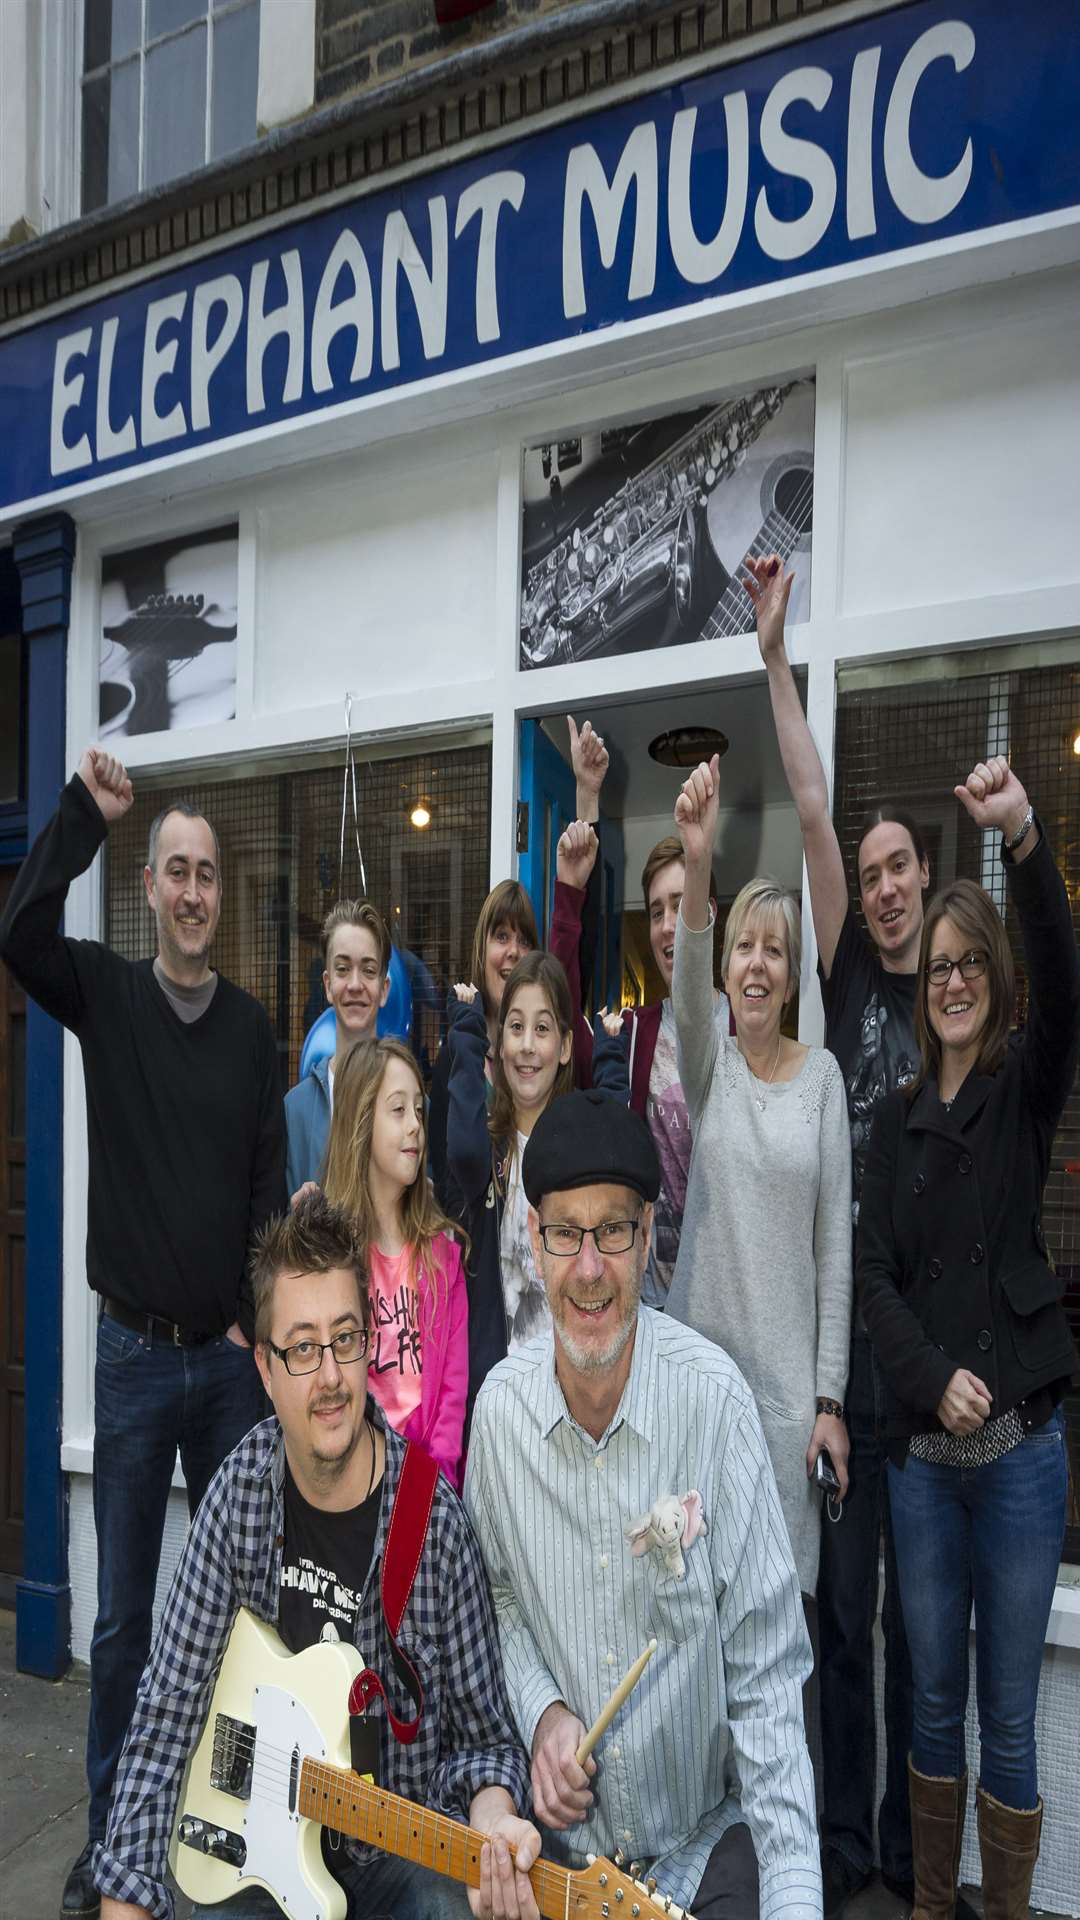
point(186, 1146)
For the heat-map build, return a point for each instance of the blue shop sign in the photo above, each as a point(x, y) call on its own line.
point(908, 127)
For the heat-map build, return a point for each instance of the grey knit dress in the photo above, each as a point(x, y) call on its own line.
point(764, 1266)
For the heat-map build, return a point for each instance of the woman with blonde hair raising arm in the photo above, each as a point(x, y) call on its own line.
point(764, 1266)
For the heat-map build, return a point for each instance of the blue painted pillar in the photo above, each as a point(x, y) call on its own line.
point(44, 551)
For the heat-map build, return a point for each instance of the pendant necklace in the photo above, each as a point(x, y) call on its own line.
point(760, 1097)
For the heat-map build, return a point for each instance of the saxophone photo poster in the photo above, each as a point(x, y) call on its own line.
point(634, 536)
point(168, 634)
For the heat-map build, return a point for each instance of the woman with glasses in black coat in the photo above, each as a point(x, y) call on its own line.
point(965, 1314)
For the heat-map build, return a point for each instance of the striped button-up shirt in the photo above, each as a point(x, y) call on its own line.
point(233, 1559)
point(550, 1506)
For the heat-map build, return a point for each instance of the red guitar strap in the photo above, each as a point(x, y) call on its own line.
point(401, 1558)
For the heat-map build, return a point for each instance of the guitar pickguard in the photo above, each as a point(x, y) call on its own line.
point(284, 1728)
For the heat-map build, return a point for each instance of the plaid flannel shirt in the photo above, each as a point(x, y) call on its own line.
point(233, 1559)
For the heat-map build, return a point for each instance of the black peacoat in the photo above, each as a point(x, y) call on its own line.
point(951, 1267)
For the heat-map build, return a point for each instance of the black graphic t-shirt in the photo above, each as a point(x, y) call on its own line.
point(323, 1567)
point(870, 1027)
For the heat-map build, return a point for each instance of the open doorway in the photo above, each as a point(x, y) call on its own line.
point(759, 828)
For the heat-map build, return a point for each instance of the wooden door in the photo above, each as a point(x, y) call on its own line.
point(12, 1259)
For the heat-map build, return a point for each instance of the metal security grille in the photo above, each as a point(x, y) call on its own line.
point(912, 742)
point(280, 837)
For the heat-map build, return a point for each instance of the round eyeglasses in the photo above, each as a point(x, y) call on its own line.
point(611, 1236)
point(306, 1356)
point(972, 966)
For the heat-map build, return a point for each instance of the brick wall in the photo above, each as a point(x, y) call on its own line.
point(360, 43)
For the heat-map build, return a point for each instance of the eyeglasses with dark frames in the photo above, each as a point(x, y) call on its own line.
point(611, 1236)
point(972, 966)
point(306, 1356)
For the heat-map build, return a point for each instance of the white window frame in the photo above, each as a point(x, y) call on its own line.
point(213, 13)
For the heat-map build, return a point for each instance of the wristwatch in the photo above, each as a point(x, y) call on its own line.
point(832, 1407)
point(1022, 831)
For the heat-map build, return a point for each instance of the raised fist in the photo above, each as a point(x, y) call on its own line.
point(769, 589)
point(106, 780)
point(697, 809)
point(588, 756)
point(575, 855)
point(465, 992)
point(994, 797)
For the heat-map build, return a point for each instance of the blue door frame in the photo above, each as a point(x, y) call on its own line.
point(546, 788)
point(43, 552)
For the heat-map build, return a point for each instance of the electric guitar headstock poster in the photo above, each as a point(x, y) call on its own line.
point(168, 634)
point(634, 535)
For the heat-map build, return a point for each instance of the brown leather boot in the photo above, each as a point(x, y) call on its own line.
point(938, 1808)
point(1009, 1844)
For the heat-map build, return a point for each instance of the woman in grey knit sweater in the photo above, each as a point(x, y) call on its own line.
point(764, 1264)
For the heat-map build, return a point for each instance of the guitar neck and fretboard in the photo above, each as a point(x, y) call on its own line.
point(350, 1805)
point(734, 612)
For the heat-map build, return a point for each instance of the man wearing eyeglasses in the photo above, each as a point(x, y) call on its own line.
point(294, 1526)
point(576, 1437)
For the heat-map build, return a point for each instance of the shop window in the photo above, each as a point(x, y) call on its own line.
point(280, 836)
point(910, 732)
point(167, 85)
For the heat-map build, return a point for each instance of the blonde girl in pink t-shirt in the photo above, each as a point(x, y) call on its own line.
point(375, 1168)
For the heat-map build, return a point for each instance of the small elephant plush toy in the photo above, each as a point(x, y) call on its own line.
point(672, 1523)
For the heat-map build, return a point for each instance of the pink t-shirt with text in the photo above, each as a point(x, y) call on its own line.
point(395, 1369)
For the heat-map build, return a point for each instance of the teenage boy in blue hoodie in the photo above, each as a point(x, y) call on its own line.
point(356, 976)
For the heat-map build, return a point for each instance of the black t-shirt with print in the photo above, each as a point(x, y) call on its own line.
point(870, 1027)
point(324, 1565)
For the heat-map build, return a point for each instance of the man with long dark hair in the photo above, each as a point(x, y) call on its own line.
point(868, 988)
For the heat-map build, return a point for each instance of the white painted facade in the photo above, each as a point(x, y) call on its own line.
point(380, 556)
point(944, 517)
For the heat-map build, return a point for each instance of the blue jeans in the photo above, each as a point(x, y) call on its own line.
point(847, 1597)
point(149, 1399)
point(385, 1889)
point(992, 1535)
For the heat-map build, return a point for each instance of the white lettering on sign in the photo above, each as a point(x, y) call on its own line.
point(355, 310)
point(110, 444)
point(802, 160)
point(700, 261)
point(487, 198)
point(920, 196)
point(66, 395)
point(219, 353)
point(206, 354)
point(158, 361)
point(586, 180)
point(861, 218)
point(262, 327)
point(429, 290)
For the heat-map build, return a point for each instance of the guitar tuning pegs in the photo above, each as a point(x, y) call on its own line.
point(651, 1884)
point(590, 1859)
point(620, 1857)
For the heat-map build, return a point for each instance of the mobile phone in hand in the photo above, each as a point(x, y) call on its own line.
point(825, 1475)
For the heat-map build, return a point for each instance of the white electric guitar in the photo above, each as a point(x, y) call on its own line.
point(272, 1769)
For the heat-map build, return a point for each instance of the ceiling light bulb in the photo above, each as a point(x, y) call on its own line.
point(1076, 744)
point(420, 816)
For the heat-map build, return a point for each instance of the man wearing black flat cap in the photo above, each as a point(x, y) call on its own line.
point(589, 1444)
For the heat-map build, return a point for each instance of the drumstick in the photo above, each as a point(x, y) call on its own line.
point(607, 1714)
